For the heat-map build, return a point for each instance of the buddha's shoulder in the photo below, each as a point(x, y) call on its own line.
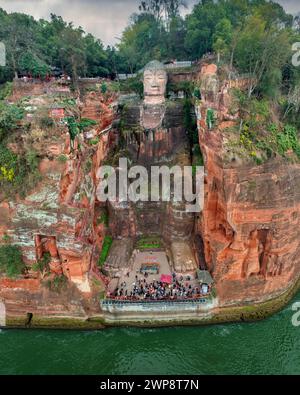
point(174, 105)
point(174, 113)
point(131, 112)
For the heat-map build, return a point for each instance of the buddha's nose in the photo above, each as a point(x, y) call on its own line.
point(155, 83)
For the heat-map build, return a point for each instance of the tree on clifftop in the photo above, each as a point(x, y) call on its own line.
point(163, 9)
point(142, 41)
point(222, 37)
point(17, 31)
point(262, 51)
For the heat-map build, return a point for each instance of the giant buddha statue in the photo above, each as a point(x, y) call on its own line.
point(152, 131)
point(153, 127)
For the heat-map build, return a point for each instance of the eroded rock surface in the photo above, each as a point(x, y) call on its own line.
point(250, 221)
point(59, 217)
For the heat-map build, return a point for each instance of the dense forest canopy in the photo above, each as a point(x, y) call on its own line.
point(253, 36)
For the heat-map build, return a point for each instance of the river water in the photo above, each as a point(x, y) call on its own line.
point(271, 346)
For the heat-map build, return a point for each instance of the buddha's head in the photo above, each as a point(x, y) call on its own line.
point(155, 82)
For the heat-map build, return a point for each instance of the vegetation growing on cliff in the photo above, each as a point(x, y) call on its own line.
point(5, 90)
point(262, 132)
point(42, 265)
point(192, 131)
point(187, 87)
point(10, 115)
point(105, 249)
point(18, 172)
point(11, 261)
point(76, 127)
point(57, 283)
point(132, 85)
point(103, 218)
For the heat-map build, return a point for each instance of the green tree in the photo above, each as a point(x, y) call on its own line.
point(18, 34)
point(260, 51)
point(96, 57)
point(163, 10)
point(72, 51)
point(142, 41)
point(9, 118)
point(222, 38)
point(175, 39)
point(201, 24)
point(36, 46)
point(29, 63)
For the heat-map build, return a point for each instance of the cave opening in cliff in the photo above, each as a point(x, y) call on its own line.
point(47, 253)
point(263, 236)
point(29, 317)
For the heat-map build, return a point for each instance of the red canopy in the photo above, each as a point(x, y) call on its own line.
point(166, 278)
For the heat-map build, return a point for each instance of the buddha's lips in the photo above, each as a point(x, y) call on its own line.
point(155, 92)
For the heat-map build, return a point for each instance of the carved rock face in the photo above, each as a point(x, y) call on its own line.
point(155, 82)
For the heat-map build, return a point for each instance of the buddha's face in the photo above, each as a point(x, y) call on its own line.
point(155, 82)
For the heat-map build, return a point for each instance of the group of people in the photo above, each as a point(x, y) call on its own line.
point(141, 289)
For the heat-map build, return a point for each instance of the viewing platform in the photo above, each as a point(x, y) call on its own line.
point(157, 310)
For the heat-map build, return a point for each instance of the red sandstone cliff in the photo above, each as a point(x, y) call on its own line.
point(250, 221)
point(59, 216)
point(249, 224)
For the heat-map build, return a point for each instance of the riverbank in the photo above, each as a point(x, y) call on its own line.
point(216, 315)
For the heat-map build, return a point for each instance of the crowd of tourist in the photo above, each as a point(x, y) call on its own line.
point(141, 289)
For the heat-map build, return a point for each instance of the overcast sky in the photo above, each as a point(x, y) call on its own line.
point(106, 19)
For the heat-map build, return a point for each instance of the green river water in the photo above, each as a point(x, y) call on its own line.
point(271, 346)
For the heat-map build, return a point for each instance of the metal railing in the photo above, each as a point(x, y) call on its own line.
point(179, 65)
point(114, 302)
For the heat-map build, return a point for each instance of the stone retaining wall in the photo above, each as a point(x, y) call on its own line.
point(119, 311)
